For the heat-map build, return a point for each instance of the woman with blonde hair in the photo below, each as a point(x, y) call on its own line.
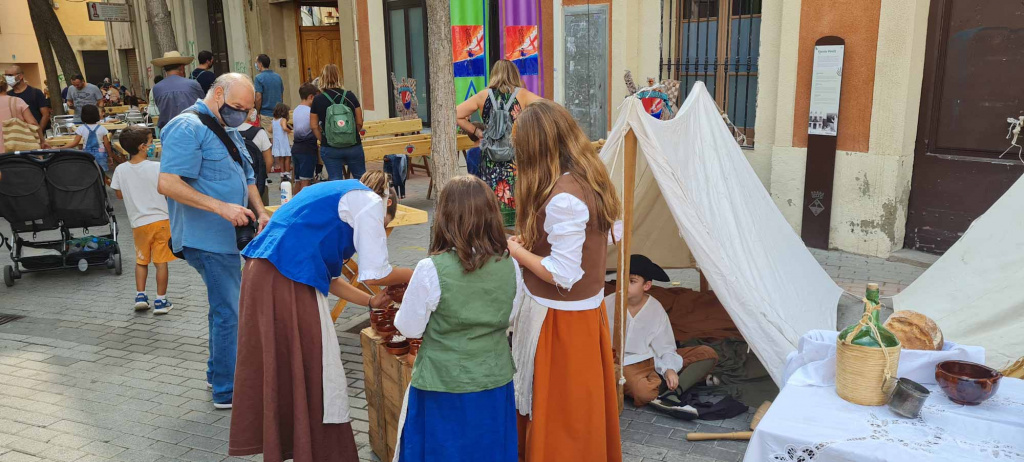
point(337, 157)
point(562, 342)
point(506, 91)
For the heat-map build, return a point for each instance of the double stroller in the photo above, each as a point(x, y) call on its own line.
point(55, 191)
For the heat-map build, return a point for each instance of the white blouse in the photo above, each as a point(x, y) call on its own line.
point(364, 211)
point(424, 293)
point(648, 335)
point(566, 225)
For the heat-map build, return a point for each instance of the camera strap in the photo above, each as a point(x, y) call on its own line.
point(215, 127)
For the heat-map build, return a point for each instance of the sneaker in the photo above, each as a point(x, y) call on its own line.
point(674, 409)
point(209, 386)
point(286, 176)
point(222, 405)
point(141, 302)
point(161, 306)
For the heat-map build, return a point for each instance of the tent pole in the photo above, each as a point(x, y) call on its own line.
point(622, 278)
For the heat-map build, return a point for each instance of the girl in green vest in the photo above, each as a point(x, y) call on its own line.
point(460, 405)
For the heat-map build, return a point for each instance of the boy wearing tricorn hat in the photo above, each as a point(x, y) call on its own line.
point(649, 347)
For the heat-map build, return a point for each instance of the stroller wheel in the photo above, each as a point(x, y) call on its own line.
point(17, 274)
point(117, 263)
point(9, 276)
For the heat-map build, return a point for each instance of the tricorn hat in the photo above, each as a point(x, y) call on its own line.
point(170, 58)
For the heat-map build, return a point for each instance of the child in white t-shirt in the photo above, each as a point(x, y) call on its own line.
point(135, 182)
point(93, 137)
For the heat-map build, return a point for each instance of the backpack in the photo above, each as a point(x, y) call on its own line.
point(340, 123)
point(496, 144)
point(258, 165)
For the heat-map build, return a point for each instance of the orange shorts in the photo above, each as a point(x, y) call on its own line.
point(151, 243)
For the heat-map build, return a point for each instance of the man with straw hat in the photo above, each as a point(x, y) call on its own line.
point(174, 93)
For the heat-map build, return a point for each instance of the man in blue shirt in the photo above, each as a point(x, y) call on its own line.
point(269, 91)
point(207, 194)
point(174, 93)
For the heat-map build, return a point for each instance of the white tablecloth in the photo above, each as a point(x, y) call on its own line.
point(811, 423)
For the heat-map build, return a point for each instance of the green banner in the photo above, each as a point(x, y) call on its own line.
point(469, 47)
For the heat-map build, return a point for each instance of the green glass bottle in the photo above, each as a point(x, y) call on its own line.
point(865, 337)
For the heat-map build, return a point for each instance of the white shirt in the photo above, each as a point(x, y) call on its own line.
point(101, 132)
point(300, 121)
point(363, 210)
point(424, 293)
point(648, 335)
point(566, 225)
point(137, 183)
point(262, 140)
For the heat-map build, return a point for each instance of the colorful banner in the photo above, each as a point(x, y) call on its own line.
point(469, 47)
point(521, 43)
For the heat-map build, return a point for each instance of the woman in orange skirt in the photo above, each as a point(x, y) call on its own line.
point(565, 380)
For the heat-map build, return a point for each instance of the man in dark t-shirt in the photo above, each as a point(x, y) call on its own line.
point(203, 72)
point(37, 102)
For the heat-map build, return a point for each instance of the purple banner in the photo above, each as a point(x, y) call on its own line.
point(521, 40)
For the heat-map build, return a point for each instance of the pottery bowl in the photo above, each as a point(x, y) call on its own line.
point(385, 327)
point(414, 345)
point(397, 292)
point(966, 382)
point(398, 348)
point(376, 315)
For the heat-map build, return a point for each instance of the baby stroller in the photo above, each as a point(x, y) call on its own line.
point(56, 190)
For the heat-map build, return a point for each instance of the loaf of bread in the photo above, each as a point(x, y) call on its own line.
point(915, 330)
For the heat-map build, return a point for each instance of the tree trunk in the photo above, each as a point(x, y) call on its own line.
point(163, 32)
point(442, 93)
point(50, 68)
point(45, 21)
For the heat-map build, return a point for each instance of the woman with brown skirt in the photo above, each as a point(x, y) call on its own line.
point(561, 342)
point(291, 397)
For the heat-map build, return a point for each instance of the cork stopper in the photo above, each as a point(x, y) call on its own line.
point(872, 286)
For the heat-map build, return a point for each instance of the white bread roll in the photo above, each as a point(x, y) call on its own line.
point(915, 330)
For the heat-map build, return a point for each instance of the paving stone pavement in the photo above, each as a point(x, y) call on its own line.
point(85, 378)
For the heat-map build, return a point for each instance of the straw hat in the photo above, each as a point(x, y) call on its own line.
point(171, 58)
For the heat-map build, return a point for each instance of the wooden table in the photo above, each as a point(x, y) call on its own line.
point(404, 216)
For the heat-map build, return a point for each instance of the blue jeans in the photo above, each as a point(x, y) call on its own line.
point(222, 274)
point(335, 159)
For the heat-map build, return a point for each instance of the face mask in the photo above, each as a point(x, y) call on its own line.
point(232, 117)
point(256, 65)
point(151, 150)
point(11, 80)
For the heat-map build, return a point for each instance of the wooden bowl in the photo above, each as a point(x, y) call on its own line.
point(966, 382)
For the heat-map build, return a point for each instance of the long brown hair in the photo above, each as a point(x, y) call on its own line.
point(467, 221)
point(505, 77)
point(380, 183)
point(548, 143)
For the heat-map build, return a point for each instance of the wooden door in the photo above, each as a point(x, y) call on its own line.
point(972, 83)
point(320, 45)
point(218, 37)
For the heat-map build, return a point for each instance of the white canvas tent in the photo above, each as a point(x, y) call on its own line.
point(696, 201)
point(975, 291)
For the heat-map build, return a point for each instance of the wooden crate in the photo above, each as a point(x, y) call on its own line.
point(387, 378)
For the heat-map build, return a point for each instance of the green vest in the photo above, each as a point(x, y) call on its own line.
point(465, 348)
